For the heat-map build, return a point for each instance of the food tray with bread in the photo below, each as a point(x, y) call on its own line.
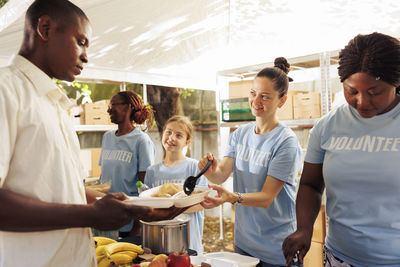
point(168, 195)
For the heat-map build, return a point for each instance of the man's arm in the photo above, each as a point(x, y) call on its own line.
point(92, 195)
point(23, 214)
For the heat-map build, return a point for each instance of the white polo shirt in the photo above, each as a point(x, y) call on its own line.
point(39, 158)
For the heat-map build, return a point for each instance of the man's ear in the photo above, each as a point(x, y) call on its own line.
point(43, 27)
point(282, 101)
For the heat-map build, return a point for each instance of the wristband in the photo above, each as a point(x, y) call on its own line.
point(240, 198)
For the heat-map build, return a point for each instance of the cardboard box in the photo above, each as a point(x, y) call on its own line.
point(307, 105)
point(96, 168)
point(96, 113)
point(314, 257)
point(95, 119)
point(240, 89)
point(320, 227)
point(96, 107)
point(75, 114)
point(286, 111)
point(90, 160)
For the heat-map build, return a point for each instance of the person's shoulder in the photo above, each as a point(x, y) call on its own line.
point(286, 135)
point(109, 133)
point(138, 133)
point(340, 113)
point(244, 128)
point(191, 161)
point(154, 167)
point(10, 78)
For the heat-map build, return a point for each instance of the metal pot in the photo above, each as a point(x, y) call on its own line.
point(166, 236)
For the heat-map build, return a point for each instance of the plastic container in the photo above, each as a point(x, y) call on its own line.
point(239, 260)
point(236, 110)
point(182, 202)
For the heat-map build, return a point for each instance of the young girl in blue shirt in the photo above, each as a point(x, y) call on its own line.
point(176, 167)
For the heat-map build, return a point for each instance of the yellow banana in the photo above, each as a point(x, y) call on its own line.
point(104, 263)
point(128, 252)
point(120, 258)
point(121, 246)
point(100, 250)
point(99, 258)
point(101, 240)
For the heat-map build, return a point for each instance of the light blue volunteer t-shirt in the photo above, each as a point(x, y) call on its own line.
point(160, 174)
point(258, 231)
point(361, 169)
point(121, 160)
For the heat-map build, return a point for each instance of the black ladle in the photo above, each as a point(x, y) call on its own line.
point(190, 182)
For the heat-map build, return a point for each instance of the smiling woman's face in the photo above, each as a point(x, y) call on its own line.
point(368, 95)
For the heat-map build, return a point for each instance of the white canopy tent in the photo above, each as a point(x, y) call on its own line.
point(184, 43)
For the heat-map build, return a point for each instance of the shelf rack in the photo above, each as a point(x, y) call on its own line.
point(95, 128)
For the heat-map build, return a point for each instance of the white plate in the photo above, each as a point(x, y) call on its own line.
point(192, 199)
point(185, 201)
point(197, 260)
point(153, 202)
point(240, 260)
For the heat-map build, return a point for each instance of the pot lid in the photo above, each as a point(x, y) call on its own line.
point(182, 218)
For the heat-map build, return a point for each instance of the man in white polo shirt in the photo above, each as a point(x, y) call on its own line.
point(45, 212)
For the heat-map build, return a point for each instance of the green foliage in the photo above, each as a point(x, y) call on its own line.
point(3, 2)
point(186, 93)
point(71, 89)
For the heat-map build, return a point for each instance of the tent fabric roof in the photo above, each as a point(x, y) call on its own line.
point(184, 43)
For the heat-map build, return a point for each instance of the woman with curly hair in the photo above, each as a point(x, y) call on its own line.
point(126, 152)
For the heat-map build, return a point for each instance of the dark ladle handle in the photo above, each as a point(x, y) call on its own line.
point(205, 169)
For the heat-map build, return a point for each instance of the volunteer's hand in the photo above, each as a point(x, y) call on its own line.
point(203, 162)
point(222, 196)
point(297, 243)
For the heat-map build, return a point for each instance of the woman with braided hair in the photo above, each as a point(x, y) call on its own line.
point(354, 152)
point(127, 152)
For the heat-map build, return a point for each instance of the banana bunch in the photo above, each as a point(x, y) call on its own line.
point(101, 241)
point(110, 253)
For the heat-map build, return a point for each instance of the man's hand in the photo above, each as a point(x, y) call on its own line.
point(110, 212)
point(162, 214)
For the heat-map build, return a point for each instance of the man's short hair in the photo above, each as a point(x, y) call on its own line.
point(61, 11)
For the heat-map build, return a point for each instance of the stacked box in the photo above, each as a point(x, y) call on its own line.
point(307, 105)
point(96, 168)
point(90, 160)
point(95, 113)
point(236, 110)
point(314, 257)
point(286, 111)
point(240, 89)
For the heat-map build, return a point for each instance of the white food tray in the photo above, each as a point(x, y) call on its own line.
point(145, 198)
point(225, 259)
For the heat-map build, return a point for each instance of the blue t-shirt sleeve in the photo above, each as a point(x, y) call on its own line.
point(286, 162)
point(149, 177)
point(233, 140)
point(146, 153)
point(315, 154)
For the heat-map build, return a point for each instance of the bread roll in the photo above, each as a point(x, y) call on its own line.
point(168, 189)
